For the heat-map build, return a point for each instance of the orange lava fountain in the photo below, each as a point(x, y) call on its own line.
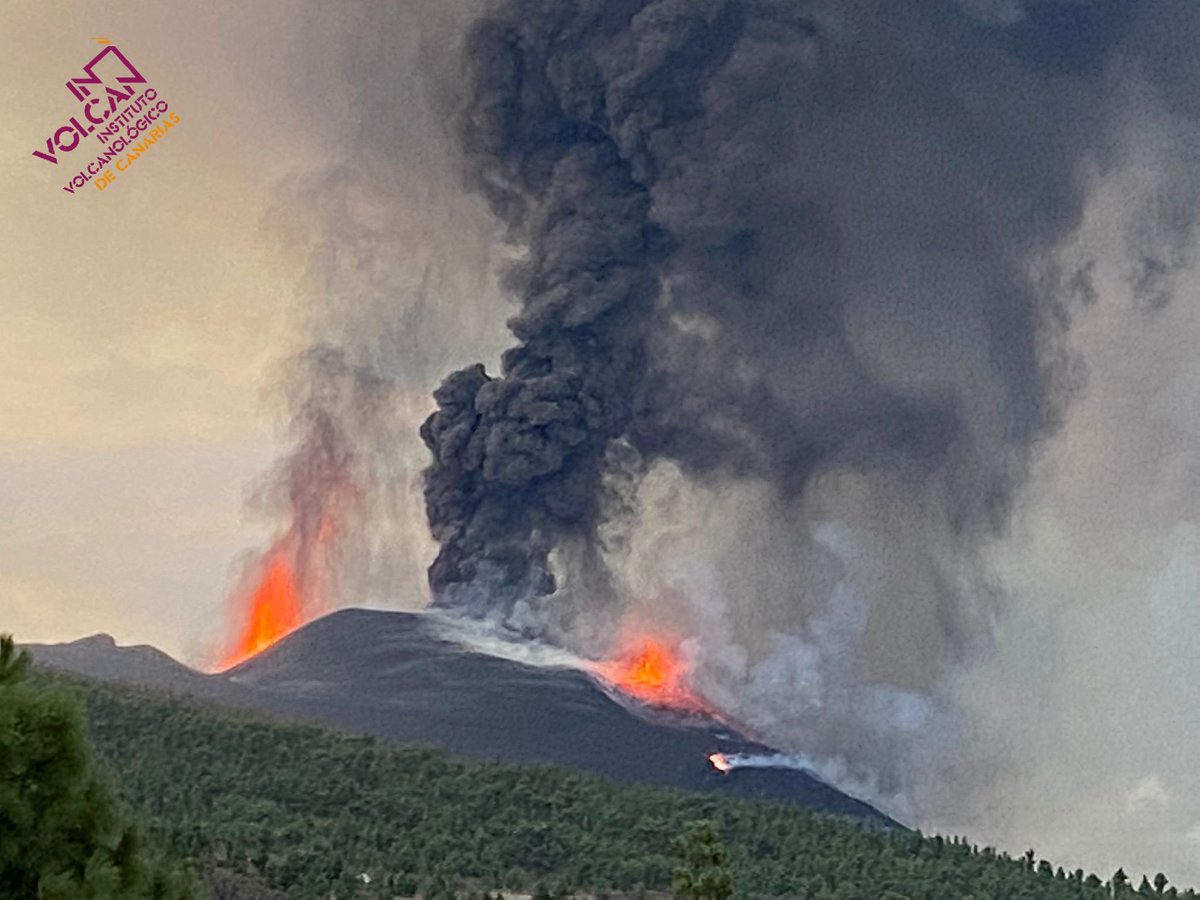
point(653, 671)
point(272, 611)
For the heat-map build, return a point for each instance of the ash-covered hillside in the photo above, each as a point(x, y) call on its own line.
point(395, 676)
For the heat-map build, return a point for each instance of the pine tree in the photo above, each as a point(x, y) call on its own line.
point(63, 833)
point(702, 875)
point(1119, 881)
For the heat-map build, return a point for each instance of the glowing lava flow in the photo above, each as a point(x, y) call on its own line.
point(652, 671)
point(273, 610)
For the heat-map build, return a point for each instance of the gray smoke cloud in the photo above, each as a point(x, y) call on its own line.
point(319, 488)
point(762, 240)
point(392, 283)
point(791, 271)
point(1089, 689)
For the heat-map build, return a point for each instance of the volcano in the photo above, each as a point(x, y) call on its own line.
point(399, 677)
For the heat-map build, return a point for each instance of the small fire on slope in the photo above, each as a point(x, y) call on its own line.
point(727, 762)
point(720, 762)
point(653, 671)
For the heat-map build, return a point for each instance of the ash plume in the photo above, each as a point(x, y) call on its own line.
point(761, 240)
point(790, 330)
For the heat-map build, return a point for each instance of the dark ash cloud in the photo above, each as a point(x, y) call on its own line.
point(804, 254)
point(760, 239)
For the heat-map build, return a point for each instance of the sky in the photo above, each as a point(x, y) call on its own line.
point(148, 334)
point(145, 329)
point(137, 327)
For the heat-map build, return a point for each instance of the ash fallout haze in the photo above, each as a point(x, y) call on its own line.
point(828, 366)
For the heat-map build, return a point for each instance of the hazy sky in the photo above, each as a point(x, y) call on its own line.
point(143, 327)
point(137, 325)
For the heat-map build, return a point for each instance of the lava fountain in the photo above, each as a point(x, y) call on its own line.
point(273, 609)
point(288, 586)
point(316, 493)
point(653, 671)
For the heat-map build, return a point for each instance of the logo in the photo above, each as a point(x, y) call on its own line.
point(124, 114)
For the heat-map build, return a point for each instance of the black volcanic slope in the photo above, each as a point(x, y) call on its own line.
point(390, 675)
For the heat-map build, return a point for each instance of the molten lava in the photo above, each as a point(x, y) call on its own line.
point(651, 670)
point(273, 610)
point(720, 762)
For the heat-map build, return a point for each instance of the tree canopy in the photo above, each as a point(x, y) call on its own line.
point(63, 833)
point(306, 812)
point(702, 874)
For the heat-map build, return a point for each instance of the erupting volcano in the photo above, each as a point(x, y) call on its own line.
point(652, 670)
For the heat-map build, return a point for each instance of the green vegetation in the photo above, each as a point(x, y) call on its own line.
point(265, 807)
point(702, 874)
point(63, 835)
